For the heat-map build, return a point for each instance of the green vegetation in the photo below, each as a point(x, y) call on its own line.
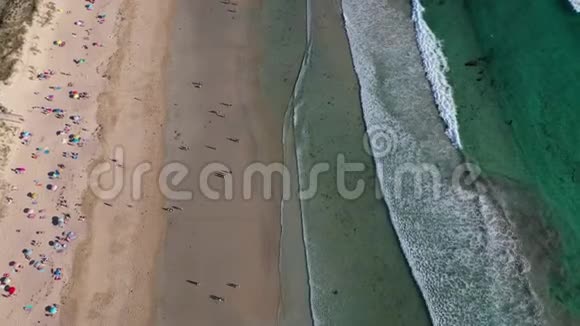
point(15, 16)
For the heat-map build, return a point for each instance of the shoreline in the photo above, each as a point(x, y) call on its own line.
point(283, 25)
point(330, 126)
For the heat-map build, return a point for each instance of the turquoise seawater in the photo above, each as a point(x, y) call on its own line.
point(515, 73)
point(453, 227)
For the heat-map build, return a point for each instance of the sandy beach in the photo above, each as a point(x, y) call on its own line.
point(89, 94)
point(88, 81)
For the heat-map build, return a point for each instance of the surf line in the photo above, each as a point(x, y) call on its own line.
point(435, 65)
point(575, 5)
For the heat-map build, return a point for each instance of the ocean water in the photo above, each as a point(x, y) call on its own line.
point(283, 26)
point(518, 109)
point(457, 237)
point(357, 274)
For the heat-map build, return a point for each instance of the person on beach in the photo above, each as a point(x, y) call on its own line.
point(19, 170)
point(57, 274)
point(16, 267)
point(67, 237)
point(5, 280)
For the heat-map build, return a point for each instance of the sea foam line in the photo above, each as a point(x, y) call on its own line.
point(436, 67)
point(576, 5)
point(461, 247)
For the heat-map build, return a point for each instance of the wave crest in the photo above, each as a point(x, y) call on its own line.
point(436, 67)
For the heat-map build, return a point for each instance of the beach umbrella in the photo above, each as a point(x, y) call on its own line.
point(11, 290)
point(75, 139)
point(15, 265)
point(5, 280)
point(40, 149)
point(52, 310)
point(39, 266)
point(57, 274)
point(28, 210)
point(70, 236)
point(58, 221)
point(51, 187)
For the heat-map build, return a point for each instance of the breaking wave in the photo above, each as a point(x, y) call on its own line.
point(575, 5)
point(436, 67)
point(460, 244)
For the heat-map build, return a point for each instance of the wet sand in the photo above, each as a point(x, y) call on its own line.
point(214, 66)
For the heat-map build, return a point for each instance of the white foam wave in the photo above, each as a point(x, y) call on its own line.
point(575, 4)
point(463, 252)
point(436, 67)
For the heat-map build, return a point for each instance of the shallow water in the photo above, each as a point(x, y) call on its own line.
point(357, 273)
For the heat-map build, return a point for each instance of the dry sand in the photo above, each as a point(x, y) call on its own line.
point(113, 269)
point(113, 278)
